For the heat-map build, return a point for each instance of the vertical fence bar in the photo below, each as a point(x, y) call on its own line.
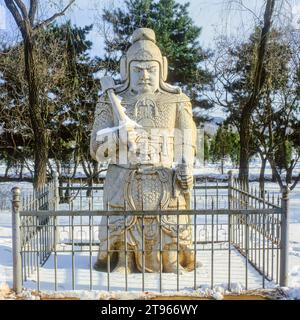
point(177, 245)
point(195, 237)
point(273, 240)
point(247, 248)
point(205, 206)
point(55, 251)
point(27, 250)
point(255, 235)
point(108, 248)
point(143, 247)
point(230, 186)
point(284, 252)
point(212, 250)
point(229, 251)
point(55, 204)
point(143, 253)
point(160, 251)
point(125, 247)
point(90, 250)
point(30, 232)
point(217, 207)
point(34, 229)
point(16, 240)
point(264, 250)
point(230, 182)
point(38, 238)
point(73, 254)
point(278, 230)
point(24, 205)
point(259, 238)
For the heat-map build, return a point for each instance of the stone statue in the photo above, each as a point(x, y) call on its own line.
point(151, 123)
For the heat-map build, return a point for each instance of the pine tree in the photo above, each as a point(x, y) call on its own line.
point(225, 144)
point(73, 97)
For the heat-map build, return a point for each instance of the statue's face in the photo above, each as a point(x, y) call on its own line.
point(144, 76)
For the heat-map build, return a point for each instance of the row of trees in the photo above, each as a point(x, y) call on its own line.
point(47, 103)
point(224, 146)
point(272, 120)
point(67, 91)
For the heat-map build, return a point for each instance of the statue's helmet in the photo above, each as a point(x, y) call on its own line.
point(143, 48)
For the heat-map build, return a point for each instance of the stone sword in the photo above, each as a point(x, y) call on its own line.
point(108, 85)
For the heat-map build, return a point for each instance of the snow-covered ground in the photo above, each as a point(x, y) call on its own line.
point(134, 282)
point(212, 170)
point(82, 279)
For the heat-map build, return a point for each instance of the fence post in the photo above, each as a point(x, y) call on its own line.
point(284, 237)
point(230, 233)
point(16, 240)
point(55, 191)
point(56, 199)
point(230, 184)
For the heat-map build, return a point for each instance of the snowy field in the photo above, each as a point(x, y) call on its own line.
point(169, 283)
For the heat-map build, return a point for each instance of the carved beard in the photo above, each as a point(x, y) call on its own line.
point(147, 88)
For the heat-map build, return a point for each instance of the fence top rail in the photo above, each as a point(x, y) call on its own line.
point(213, 187)
point(100, 213)
point(267, 203)
point(197, 187)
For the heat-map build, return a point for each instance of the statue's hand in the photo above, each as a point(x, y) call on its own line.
point(185, 176)
point(128, 136)
point(107, 83)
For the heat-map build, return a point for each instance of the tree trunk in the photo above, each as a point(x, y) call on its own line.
point(274, 178)
point(258, 82)
point(21, 171)
point(96, 171)
point(262, 177)
point(60, 190)
point(36, 115)
point(25, 21)
point(244, 147)
point(7, 169)
point(222, 166)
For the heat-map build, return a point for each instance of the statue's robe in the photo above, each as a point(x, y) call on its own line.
point(149, 183)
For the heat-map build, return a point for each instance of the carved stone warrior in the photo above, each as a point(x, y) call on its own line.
point(148, 120)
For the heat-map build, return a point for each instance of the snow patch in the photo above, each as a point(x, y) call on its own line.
point(294, 293)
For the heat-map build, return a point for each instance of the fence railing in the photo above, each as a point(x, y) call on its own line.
point(236, 236)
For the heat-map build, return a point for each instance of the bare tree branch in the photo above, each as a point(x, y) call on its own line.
point(56, 15)
point(32, 11)
point(258, 79)
point(16, 14)
point(277, 175)
point(22, 8)
point(295, 183)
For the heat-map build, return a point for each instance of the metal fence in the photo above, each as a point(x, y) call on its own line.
point(236, 234)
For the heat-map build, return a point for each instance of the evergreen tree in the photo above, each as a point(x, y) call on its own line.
point(206, 148)
point(177, 37)
point(75, 98)
point(225, 144)
point(69, 92)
